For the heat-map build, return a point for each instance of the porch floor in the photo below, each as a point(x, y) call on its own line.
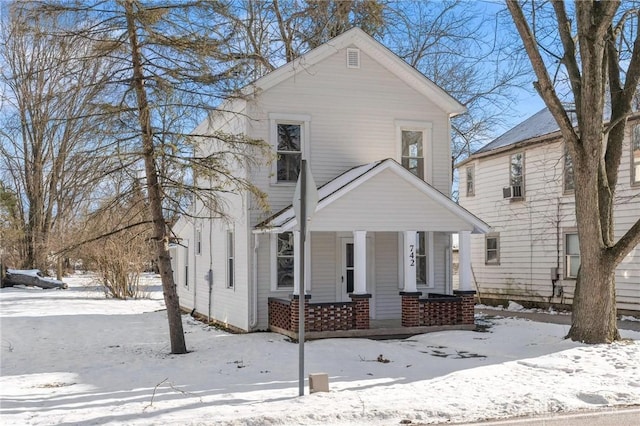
point(379, 329)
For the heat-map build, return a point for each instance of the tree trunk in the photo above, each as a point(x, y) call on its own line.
point(594, 318)
point(161, 236)
point(594, 304)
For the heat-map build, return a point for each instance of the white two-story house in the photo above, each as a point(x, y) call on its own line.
point(376, 134)
point(522, 185)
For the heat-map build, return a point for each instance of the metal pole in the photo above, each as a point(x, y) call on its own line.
point(301, 286)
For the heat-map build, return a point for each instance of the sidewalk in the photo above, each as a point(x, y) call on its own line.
point(547, 317)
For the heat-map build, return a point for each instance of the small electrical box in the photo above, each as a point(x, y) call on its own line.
point(318, 382)
point(555, 275)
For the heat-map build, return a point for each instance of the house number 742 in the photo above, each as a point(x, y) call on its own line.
point(412, 255)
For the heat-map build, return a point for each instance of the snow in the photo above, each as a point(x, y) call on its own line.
point(516, 307)
point(74, 357)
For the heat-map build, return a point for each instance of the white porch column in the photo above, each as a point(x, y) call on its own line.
point(360, 262)
point(296, 262)
point(464, 257)
point(410, 261)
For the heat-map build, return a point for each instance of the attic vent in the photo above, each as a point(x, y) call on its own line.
point(353, 58)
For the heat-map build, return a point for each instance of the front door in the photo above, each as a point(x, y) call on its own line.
point(347, 278)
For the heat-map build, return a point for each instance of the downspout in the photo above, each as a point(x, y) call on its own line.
point(253, 291)
point(210, 279)
point(195, 265)
point(210, 259)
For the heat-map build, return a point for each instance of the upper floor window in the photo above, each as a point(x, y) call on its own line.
point(635, 155)
point(412, 152)
point(572, 255)
point(289, 151)
point(516, 175)
point(289, 135)
point(492, 249)
point(414, 147)
point(569, 186)
point(471, 174)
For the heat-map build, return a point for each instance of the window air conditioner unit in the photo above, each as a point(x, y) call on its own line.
point(512, 192)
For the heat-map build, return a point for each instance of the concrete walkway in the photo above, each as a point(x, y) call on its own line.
point(550, 318)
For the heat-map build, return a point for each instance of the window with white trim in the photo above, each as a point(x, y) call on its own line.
point(572, 255)
point(230, 260)
point(421, 258)
point(284, 261)
point(289, 137)
point(492, 249)
point(414, 149)
point(516, 175)
point(198, 242)
point(289, 151)
point(471, 175)
point(635, 155)
point(413, 152)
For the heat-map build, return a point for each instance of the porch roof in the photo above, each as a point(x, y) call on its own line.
point(380, 196)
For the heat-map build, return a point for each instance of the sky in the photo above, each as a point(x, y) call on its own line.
point(73, 357)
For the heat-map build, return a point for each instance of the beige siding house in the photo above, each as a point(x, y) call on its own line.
point(521, 185)
point(376, 135)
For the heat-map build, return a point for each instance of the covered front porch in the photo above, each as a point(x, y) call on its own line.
point(378, 259)
point(434, 312)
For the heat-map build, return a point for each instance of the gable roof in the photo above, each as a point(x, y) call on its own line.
point(367, 44)
point(540, 127)
point(346, 183)
point(540, 124)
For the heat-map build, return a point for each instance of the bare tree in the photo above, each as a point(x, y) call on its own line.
point(48, 125)
point(272, 33)
point(174, 68)
point(599, 53)
point(120, 257)
point(454, 45)
point(461, 50)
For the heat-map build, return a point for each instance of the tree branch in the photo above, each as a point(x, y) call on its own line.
point(544, 86)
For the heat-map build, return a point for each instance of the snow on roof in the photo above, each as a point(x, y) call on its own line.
point(540, 124)
point(285, 215)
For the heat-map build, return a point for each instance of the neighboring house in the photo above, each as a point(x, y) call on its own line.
point(522, 185)
point(376, 134)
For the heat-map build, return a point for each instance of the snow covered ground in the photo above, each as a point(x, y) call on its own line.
point(74, 357)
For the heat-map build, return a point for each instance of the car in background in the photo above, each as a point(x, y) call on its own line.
point(30, 278)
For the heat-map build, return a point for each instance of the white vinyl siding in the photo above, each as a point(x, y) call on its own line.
point(377, 200)
point(388, 303)
point(349, 123)
point(531, 233)
point(324, 267)
point(228, 307)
